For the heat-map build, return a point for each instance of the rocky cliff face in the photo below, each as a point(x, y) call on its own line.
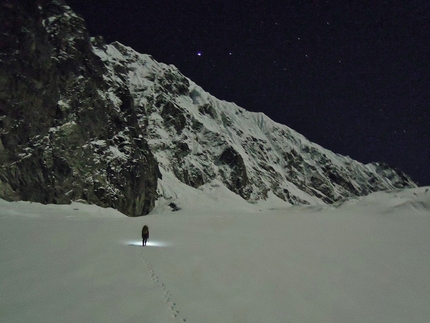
point(66, 133)
point(84, 120)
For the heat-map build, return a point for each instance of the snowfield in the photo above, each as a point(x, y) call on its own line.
point(219, 259)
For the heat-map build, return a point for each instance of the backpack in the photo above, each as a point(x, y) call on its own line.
point(145, 230)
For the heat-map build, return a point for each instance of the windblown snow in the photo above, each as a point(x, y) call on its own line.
point(219, 259)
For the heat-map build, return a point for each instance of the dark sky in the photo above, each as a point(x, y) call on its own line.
point(352, 76)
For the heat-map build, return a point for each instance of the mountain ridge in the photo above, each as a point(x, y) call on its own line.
point(247, 151)
point(112, 121)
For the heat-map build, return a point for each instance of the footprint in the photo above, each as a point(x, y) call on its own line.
point(165, 292)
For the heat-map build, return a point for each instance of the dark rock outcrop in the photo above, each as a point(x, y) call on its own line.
point(66, 133)
point(234, 175)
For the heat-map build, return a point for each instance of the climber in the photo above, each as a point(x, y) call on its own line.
point(145, 235)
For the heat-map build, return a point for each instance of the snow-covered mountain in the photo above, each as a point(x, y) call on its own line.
point(200, 139)
point(85, 120)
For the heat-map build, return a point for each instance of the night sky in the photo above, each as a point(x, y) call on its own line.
point(352, 76)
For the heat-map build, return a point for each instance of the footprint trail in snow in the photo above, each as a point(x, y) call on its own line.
point(167, 296)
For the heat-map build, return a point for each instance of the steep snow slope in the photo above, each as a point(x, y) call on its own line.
point(199, 138)
point(219, 260)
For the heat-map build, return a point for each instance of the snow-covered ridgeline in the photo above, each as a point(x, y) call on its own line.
point(200, 138)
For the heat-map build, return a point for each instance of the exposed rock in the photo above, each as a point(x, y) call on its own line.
point(66, 133)
point(234, 175)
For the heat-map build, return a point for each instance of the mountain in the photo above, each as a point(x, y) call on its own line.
point(84, 120)
point(64, 135)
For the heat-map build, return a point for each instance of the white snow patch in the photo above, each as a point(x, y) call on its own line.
point(63, 126)
point(99, 142)
point(116, 153)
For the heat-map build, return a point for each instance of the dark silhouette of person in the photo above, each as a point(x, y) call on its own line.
point(145, 235)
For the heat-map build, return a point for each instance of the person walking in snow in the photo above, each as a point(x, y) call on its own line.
point(145, 235)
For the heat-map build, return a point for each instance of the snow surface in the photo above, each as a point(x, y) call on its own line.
point(219, 259)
